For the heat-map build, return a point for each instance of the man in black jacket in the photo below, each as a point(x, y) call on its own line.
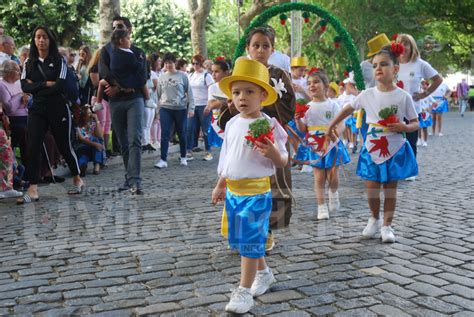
point(127, 111)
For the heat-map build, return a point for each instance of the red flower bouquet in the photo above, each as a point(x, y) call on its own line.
point(388, 115)
point(301, 107)
point(258, 131)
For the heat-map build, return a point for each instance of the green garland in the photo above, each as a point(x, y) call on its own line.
point(345, 37)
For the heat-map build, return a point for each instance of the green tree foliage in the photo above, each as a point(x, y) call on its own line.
point(221, 31)
point(65, 17)
point(159, 26)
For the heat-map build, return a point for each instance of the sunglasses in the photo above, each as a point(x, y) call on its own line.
point(196, 63)
point(118, 26)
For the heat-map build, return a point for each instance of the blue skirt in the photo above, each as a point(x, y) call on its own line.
point(402, 165)
point(248, 219)
point(328, 160)
point(350, 120)
point(292, 124)
point(302, 154)
point(442, 106)
point(426, 123)
point(213, 138)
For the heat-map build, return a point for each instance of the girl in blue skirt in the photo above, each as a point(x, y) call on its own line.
point(386, 156)
point(325, 156)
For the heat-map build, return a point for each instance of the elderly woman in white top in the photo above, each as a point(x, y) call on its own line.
point(200, 80)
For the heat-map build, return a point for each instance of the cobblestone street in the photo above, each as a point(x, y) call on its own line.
point(112, 254)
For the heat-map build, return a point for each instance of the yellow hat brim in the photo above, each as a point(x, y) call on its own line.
point(226, 86)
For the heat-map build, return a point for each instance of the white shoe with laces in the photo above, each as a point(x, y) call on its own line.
point(161, 164)
point(241, 301)
point(373, 226)
point(262, 283)
point(323, 212)
point(387, 234)
point(425, 144)
point(351, 145)
point(183, 161)
point(334, 203)
point(11, 193)
point(440, 134)
point(418, 142)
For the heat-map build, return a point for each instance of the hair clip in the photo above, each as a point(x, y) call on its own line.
point(220, 58)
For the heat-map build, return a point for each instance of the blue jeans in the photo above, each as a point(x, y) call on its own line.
point(199, 120)
point(87, 153)
point(168, 118)
point(127, 116)
point(462, 105)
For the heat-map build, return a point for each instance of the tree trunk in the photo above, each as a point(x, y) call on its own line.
point(108, 9)
point(199, 13)
point(257, 7)
point(71, 29)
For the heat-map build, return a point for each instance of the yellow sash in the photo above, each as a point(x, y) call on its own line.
point(376, 125)
point(244, 187)
point(317, 128)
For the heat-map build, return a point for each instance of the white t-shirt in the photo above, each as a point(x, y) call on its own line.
point(345, 99)
point(373, 100)
point(427, 102)
point(320, 113)
point(441, 91)
point(412, 73)
point(303, 83)
point(214, 91)
point(238, 160)
point(280, 60)
point(200, 83)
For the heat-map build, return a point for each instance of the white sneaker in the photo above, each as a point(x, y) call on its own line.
point(334, 203)
point(424, 144)
point(241, 301)
point(351, 145)
point(323, 212)
point(430, 134)
point(373, 226)
point(262, 283)
point(440, 134)
point(387, 234)
point(410, 179)
point(183, 161)
point(418, 142)
point(307, 169)
point(161, 164)
point(11, 193)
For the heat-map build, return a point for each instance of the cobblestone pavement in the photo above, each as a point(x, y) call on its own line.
point(111, 254)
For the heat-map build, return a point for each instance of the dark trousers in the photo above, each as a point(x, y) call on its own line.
point(412, 138)
point(56, 116)
point(169, 117)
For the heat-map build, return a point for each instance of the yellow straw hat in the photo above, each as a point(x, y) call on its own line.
point(334, 87)
point(250, 71)
point(376, 43)
point(299, 62)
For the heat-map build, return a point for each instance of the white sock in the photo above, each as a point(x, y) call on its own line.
point(244, 288)
point(264, 271)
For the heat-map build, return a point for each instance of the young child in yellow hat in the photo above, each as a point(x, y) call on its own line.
point(244, 177)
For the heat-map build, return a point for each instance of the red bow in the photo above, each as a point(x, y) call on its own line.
point(260, 138)
point(390, 119)
point(220, 58)
point(397, 49)
point(319, 141)
point(313, 70)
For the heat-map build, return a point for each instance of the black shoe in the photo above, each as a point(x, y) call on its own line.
point(124, 187)
point(197, 149)
point(136, 190)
